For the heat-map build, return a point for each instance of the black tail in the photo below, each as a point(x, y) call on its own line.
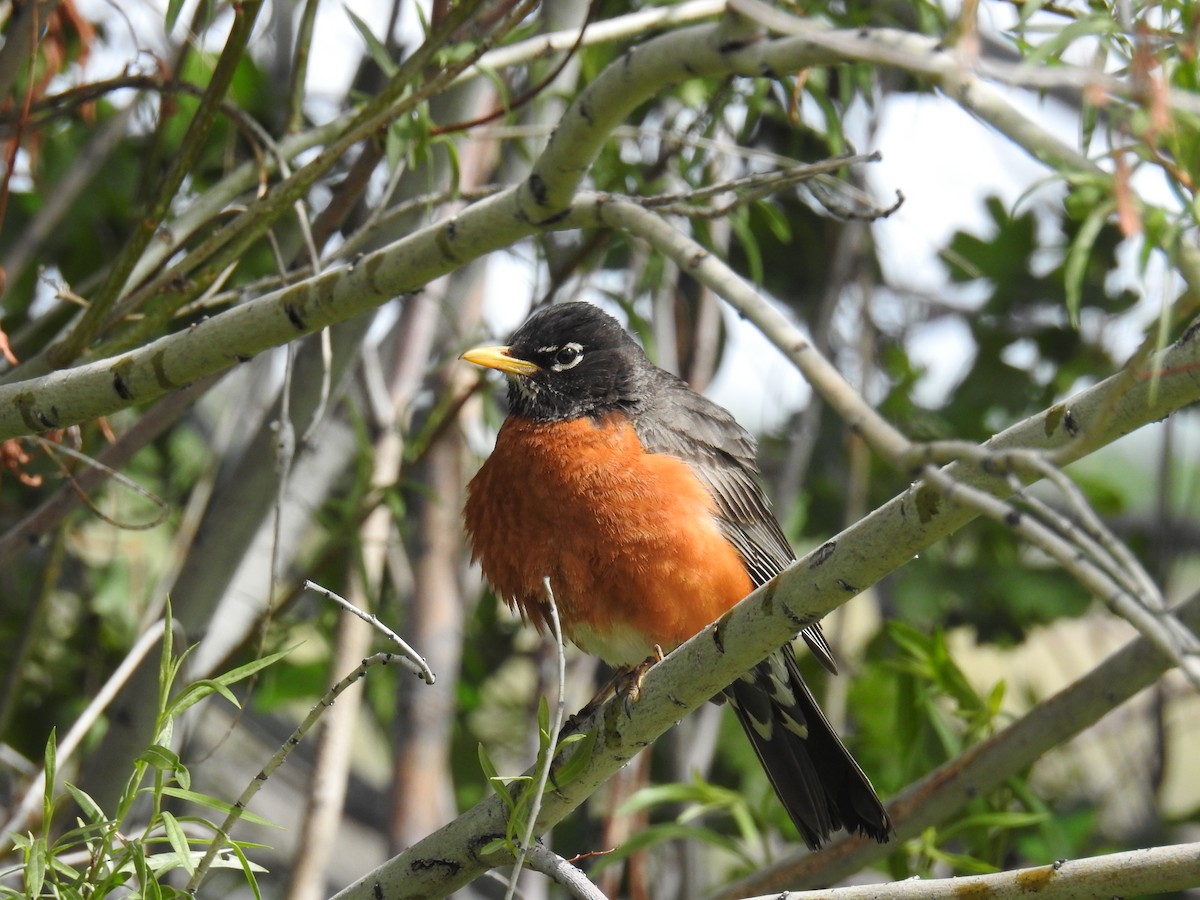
point(817, 780)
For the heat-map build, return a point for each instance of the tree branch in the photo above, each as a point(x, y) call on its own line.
point(1157, 870)
point(732, 46)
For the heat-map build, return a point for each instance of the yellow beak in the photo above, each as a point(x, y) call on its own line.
point(500, 359)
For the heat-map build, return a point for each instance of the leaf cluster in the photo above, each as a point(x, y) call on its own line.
point(153, 831)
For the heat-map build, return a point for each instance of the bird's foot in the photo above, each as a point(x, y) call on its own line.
point(626, 682)
point(631, 680)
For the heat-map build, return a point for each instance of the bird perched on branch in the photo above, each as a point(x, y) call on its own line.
point(640, 500)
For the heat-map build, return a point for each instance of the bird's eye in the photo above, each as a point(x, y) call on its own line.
point(567, 357)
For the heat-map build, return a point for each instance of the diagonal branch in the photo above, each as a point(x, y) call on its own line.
point(1158, 870)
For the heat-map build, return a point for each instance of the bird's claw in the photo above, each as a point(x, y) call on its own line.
point(625, 683)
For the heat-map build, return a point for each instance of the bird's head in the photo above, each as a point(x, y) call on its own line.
point(567, 361)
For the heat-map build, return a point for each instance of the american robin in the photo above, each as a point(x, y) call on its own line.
point(640, 500)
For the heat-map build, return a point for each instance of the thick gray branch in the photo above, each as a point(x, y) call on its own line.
point(1158, 870)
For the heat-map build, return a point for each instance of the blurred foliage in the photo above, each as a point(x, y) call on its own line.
point(124, 851)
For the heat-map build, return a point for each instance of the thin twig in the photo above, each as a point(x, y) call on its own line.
point(51, 449)
point(1169, 635)
point(327, 700)
point(411, 659)
point(1090, 533)
point(1087, 549)
point(756, 184)
point(556, 724)
point(152, 423)
point(634, 25)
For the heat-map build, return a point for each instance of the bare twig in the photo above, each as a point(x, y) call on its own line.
point(751, 188)
point(1170, 636)
point(325, 793)
point(152, 423)
point(616, 29)
point(164, 508)
point(1086, 549)
point(222, 835)
point(543, 775)
point(410, 659)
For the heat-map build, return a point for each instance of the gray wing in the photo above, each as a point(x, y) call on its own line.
point(723, 456)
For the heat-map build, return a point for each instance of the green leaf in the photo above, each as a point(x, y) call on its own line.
point(1078, 255)
point(659, 795)
point(206, 687)
point(746, 824)
point(179, 841)
point(962, 863)
point(572, 766)
point(83, 834)
point(454, 176)
point(1088, 119)
point(136, 859)
point(498, 784)
point(995, 700)
point(749, 242)
point(166, 658)
point(233, 676)
point(173, 9)
point(497, 845)
point(1063, 37)
point(90, 807)
point(35, 867)
point(521, 808)
point(671, 831)
point(219, 805)
point(50, 762)
point(248, 868)
point(394, 145)
point(378, 52)
point(543, 717)
point(194, 693)
point(776, 220)
point(163, 758)
point(1002, 819)
point(947, 736)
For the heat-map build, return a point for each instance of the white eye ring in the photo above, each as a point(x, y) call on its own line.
point(568, 357)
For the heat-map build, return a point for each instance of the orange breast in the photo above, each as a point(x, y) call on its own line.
point(629, 540)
